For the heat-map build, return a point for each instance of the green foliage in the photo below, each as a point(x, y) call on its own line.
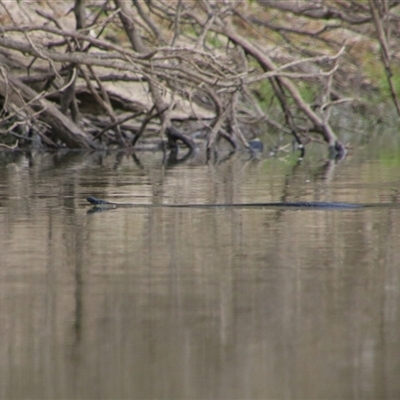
point(384, 84)
point(308, 90)
point(379, 96)
point(265, 94)
point(215, 40)
point(373, 70)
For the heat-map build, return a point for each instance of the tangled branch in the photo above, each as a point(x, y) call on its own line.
point(185, 60)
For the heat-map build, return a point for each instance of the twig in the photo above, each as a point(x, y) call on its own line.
point(385, 52)
point(13, 147)
point(115, 123)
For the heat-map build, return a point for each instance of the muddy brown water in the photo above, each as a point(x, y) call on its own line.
point(198, 303)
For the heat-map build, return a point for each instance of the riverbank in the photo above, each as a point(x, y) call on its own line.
point(100, 75)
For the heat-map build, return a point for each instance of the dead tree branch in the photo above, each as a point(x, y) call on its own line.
point(384, 44)
point(227, 64)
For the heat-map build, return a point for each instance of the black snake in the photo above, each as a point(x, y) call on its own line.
point(103, 204)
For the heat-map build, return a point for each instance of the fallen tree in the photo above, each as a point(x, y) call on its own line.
point(99, 76)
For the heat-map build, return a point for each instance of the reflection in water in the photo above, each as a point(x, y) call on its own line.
point(196, 303)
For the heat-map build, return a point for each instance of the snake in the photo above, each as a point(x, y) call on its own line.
point(104, 204)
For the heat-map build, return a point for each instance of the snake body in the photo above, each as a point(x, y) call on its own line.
point(103, 204)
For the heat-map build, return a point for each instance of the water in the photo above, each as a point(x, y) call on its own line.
point(198, 303)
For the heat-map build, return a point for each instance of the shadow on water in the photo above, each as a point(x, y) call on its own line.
point(212, 302)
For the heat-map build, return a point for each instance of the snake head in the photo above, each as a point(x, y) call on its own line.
point(95, 201)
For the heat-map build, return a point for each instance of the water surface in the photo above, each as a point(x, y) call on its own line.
point(198, 303)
